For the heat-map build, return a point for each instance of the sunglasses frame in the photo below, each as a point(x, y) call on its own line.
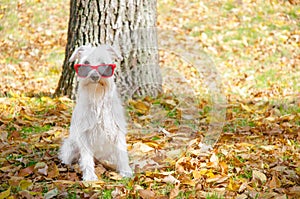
point(113, 66)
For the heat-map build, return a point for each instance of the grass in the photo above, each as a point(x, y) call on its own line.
point(27, 131)
point(106, 194)
point(214, 196)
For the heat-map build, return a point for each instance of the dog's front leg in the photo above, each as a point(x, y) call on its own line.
point(122, 160)
point(87, 164)
point(68, 151)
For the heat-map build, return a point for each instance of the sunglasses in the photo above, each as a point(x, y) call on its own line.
point(105, 70)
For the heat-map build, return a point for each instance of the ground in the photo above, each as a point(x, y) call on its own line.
point(244, 76)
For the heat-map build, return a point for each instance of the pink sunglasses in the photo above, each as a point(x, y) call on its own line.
point(105, 70)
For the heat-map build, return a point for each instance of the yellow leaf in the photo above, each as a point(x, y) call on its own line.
point(246, 108)
point(6, 168)
point(5, 194)
point(140, 106)
point(24, 184)
point(210, 174)
point(153, 145)
point(197, 174)
point(188, 181)
point(233, 186)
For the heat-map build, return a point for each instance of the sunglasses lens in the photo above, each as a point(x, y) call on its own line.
point(105, 71)
point(83, 71)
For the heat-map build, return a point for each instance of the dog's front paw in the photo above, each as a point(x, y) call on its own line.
point(90, 177)
point(126, 173)
point(65, 159)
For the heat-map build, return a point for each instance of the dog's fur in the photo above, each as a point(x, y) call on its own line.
point(98, 125)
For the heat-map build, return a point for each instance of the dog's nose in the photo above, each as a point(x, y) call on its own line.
point(95, 77)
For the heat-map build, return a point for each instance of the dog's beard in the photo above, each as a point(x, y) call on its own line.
point(96, 89)
point(103, 82)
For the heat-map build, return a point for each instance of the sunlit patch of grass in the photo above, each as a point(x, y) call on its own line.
point(214, 196)
point(292, 13)
point(263, 80)
point(10, 18)
point(287, 108)
point(107, 194)
point(186, 194)
point(246, 173)
point(26, 131)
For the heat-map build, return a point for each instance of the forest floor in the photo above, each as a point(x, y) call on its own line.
point(254, 53)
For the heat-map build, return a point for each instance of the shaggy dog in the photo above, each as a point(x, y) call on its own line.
point(98, 125)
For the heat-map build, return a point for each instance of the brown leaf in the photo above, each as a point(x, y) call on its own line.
point(224, 167)
point(174, 192)
point(217, 179)
point(26, 171)
point(295, 190)
point(26, 194)
point(258, 176)
point(146, 194)
point(275, 182)
point(53, 171)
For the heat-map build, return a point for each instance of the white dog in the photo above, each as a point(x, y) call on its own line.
point(98, 125)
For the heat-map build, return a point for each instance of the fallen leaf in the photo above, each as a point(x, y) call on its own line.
point(258, 176)
point(140, 147)
point(174, 192)
point(41, 168)
point(275, 182)
point(224, 167)
point(24, 184)
point(233, 185)
point(198, 174)
point(269, 147)
point(170, 179)
point(53, 171)
point(217, 179)
point(5, 193)
point(146, 194)
point(140, 106)
point(26, 171)
point(51, 194)
point(295, 190)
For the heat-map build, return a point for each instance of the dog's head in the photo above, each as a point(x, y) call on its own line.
point(95, 63)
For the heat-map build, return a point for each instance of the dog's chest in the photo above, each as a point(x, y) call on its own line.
point(105, 125)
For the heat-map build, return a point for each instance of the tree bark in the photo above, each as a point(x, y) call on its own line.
point(127, 24)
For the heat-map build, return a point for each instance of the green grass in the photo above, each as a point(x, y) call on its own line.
point(186, 194)
point(238, 123)
point(26, 131)
point(246, 173)
point(214, 196)
point(106, 194)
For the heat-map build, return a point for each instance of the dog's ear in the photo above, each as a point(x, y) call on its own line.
point(77, 54)
point(115, 53)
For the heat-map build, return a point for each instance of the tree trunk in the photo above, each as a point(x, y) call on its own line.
point(127, 24)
